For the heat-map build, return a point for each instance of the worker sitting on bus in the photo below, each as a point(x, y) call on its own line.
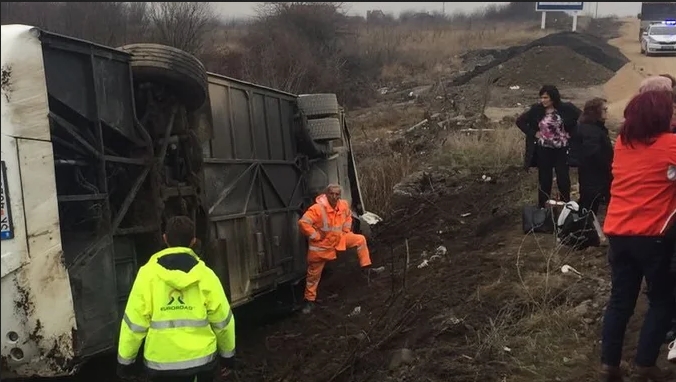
point(178, 306)
point(328, 226)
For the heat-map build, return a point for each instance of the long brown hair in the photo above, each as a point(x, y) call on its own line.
point(593, 111)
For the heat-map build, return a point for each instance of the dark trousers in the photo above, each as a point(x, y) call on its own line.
point(207, 376)
point(552, 160)
point(594, 188)
point(632, 259)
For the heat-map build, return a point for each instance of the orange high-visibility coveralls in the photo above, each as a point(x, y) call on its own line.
point(328, 230)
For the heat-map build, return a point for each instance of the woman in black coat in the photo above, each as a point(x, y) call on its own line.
point(548, 126)
point(592, 152)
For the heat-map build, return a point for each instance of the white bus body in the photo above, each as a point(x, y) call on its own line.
point(38, 318)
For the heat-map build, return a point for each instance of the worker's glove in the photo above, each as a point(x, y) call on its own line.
point(227, 363)
point(126, 371)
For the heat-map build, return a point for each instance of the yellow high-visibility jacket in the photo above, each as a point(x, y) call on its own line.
point(177, 304)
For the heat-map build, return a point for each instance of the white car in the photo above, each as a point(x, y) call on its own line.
point(659, 38)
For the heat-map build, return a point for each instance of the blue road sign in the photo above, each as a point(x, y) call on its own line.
point(550, 6)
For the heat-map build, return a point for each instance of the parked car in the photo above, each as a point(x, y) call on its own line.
point(659, 38)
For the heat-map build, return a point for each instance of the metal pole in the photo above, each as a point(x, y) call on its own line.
point(596, 13)
point(575, 21)
point(443, 8)
point(544, 20)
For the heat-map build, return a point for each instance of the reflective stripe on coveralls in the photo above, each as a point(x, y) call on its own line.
point(325, 222)
point(345, 227)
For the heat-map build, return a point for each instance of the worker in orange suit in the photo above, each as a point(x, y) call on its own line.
point(328, 226)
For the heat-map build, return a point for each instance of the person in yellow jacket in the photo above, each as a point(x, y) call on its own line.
point(328, 226)
point(178, 306)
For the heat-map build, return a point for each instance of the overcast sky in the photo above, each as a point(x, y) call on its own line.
point(239, 10)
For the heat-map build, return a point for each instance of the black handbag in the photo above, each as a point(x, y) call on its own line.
point(536, 219)
point(578, 230)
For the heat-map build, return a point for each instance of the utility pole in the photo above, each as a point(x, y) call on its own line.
point(443, 8)
point(596, 13)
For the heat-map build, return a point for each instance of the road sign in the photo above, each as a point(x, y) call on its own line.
point(558, 7)
point(552, 7)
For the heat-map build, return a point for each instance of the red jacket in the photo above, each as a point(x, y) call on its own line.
point(642, 197)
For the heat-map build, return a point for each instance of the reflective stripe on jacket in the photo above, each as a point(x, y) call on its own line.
point(325, 227)
point(177, 304)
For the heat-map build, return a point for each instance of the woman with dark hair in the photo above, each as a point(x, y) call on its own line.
point(592, 152)
point(641, 210)
point(548, 125)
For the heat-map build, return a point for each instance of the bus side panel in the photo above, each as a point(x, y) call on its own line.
point(254, 189)
point(38, 321)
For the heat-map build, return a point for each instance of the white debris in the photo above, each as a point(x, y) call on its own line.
point(370, 218)
point(568, 269)
point(355, 312)
point(466, 214)
point(438, 253)
point(515, 87)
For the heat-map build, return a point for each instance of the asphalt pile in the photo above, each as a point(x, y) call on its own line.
point(578, 59)
point(549, 65)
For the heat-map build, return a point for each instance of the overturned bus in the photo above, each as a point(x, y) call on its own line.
point(100, 146)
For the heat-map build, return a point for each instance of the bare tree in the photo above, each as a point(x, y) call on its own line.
point(108, 23)
point(138, 20)
point(104, 23)
point(181, 24)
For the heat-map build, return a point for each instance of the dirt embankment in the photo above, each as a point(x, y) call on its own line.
point(442, 224)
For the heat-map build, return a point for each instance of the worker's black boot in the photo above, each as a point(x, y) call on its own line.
point(308, 307)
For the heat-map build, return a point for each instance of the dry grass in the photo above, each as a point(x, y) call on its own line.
point(380, 121)
point(379, 175)
point(427, 53)
point(483, 151)
point(538, 331)
point(491, 152)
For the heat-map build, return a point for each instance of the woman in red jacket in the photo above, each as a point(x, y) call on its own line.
point(641, 210)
